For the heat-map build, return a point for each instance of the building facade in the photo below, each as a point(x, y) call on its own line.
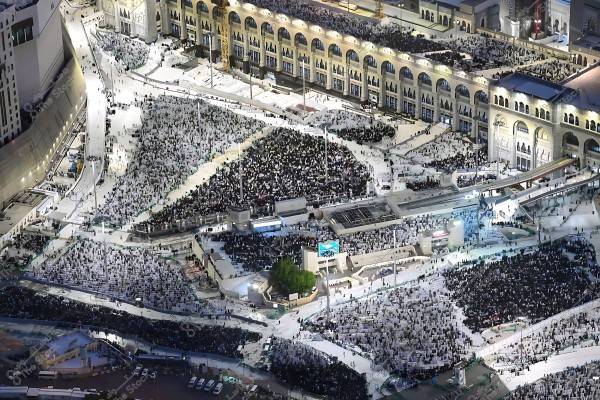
point(39, 49)
point(269, 43)
point(535, 122)
point(525, 127)
point(10, 120)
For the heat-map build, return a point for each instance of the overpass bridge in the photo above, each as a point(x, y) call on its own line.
point(528, 176)
point(566, 188)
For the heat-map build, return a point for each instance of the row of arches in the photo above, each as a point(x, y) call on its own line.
point(291, 34)
point(589, 146)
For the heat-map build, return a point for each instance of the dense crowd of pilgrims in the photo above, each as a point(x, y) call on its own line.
point(479, 52)
point(574, 383)
point(553, 71)
point(283, 165)
point(20, 302)
point(355, 127)
point(387, 35)
point(128, 273)
point(301, 366)
point(410, 330)
point(257, 251)
point(32, 242)
point(131, 53)
point(421, 336)
point(578, 330)
point(171, 147)
point(533, 285)
point(449, 151)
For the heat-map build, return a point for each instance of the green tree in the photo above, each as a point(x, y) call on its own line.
point(288, 278)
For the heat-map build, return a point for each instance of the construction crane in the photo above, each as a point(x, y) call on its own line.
point(378, 8)
point(222, 7)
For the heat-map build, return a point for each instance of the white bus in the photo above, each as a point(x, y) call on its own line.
point(47, 374)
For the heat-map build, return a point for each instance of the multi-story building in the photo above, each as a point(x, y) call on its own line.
point(535, 121)
point(527, 114)
point(265, 42)
point(38, 46)
point(10, 122)
point(136, 18)
point(32, 55)
point(42, 91)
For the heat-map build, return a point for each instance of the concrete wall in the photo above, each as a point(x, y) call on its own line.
point(24, 160)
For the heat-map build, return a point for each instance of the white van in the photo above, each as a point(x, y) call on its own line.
point(209, 385)
point(218, 388)
point(200, 383)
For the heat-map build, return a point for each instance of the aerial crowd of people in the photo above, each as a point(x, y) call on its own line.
point(533, 285)
point(20, 302)
point(302, 366)
point(128, 273)
point(130, 53)
point(283, 165)
point(421, 336)
point(355, 127)
point(575, 383)
point(258, 251)
point(171, 147)
point(553, 71)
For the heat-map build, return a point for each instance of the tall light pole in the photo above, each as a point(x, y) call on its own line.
point(303, 59)
point(250, 72)
point(476, 122)
point(395, 259)
point(240, 168)
point(326, 171)
point(210, 36)
point(497, 125)
point(94, 181)
point(401, 13)
point(200, 132)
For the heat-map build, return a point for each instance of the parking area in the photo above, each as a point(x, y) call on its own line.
point(168, 384)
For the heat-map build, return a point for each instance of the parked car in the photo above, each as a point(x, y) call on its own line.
point(200, 383)
point(209, 385)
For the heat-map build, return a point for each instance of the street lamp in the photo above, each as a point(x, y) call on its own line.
point(303, 59)
point(94, 181)
point(475, 120)
point(456, 23)
point(210, 36)
point(240, 170)
point(250, 72)
point(401, 10)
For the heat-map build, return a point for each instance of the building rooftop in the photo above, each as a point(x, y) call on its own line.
point(19, 4)
point(531, 86)
point(583, 89)
point(68, 342)
point(12, 215)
